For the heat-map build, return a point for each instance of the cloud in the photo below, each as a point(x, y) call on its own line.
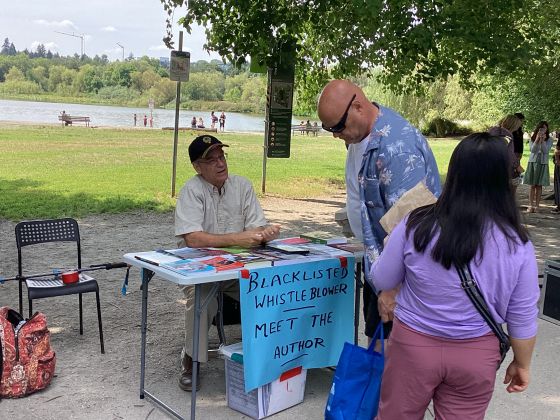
point(161, 47)
point(109, 29)
point(48, 45)
point(63, 24)
point(113, 50)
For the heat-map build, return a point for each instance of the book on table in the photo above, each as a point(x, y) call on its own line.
point(187, 266)
point(324, 238)
point(221, 263)
point(296, 240)
point(249, 260)
point(353, 247)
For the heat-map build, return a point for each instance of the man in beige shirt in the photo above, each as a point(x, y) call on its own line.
point(214, 209)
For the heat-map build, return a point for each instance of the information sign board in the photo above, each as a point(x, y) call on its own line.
point(280, 93)
point(180, 66)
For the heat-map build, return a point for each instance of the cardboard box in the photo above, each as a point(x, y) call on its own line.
point(266, 400)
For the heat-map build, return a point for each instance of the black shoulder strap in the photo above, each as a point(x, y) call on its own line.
point(473, 292)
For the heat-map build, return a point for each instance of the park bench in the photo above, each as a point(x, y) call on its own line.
point(208, 130)
point(69, 119)
point(303, 129)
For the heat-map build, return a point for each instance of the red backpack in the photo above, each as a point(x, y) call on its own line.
point(27, 360)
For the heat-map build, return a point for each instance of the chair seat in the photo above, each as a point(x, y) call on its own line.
point(58, 288)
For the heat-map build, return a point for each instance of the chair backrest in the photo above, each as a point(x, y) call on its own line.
point(51, 230)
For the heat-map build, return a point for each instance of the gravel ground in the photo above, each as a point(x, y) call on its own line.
point(89, 385)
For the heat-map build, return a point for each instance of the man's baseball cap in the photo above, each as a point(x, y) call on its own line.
point(201, 145)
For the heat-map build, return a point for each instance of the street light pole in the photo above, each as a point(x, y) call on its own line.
point(122, 50)
point(75, 36)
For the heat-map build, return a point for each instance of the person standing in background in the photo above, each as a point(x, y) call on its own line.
point(213, 120)
point(145, 120)
point(557, 174)
point(518, 137)
point(222, 121)
point(505, 128)
point(135, 119)
point(151, 121)
point(537, 174)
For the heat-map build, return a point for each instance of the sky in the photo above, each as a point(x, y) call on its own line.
point(137, 25)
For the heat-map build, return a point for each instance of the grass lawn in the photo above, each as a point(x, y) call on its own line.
point(51, 171)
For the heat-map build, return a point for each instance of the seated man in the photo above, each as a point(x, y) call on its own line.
point(214, 209)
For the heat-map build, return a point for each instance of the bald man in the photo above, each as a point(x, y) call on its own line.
point(386, 157)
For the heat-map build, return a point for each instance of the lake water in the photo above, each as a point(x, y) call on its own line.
point(116, 116)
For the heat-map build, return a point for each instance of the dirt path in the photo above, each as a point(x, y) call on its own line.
point(89, 385)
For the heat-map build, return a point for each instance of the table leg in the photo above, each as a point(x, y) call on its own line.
point(357, 290)
point(196, 336)
point(144, 328)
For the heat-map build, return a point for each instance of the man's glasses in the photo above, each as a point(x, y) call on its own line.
point(341, 125)
point(213, 161)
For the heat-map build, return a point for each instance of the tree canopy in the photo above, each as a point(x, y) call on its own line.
point(413, 42)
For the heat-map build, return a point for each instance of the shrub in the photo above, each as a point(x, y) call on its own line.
point(442, 127)
point(20, 87)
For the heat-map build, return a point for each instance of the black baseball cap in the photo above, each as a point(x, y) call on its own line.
point(201, 145)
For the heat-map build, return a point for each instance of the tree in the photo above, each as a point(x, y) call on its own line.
point(15, 75)
point(7, 47)
point(412, 41)
point(41, 51)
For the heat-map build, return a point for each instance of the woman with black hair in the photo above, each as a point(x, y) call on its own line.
point(537, 174)
point(441, 348)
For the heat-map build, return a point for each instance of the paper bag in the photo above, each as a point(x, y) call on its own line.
point(416, 197)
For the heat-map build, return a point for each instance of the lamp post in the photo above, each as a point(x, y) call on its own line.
point(122, 50)
point(82, 42)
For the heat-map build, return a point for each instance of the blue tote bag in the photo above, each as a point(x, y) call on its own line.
point(357, 382)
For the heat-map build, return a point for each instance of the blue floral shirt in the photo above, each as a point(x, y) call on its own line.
point(396, 158)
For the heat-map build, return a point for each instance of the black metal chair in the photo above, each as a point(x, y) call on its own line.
point(54, 230)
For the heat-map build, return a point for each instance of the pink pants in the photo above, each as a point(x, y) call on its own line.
point(458, 375)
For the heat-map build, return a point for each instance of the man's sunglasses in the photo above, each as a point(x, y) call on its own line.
point(341, 125)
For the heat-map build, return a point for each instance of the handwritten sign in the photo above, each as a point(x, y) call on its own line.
point(295, 315)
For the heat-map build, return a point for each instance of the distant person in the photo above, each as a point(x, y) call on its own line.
point(193, 122)
point(214, 209)
point(222, 121)
point(518, 137)
point(63, 116)
point(135, 119)
point(200, 123)
point(537, 174)
point(315, 129)
point(151, 121)
point(213, 120)
point(308, 127)
point(145, 120)
point(505, 128)
point(557, 174)
point(302, 128)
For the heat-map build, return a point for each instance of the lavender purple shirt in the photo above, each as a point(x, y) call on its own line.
point(432, 301)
